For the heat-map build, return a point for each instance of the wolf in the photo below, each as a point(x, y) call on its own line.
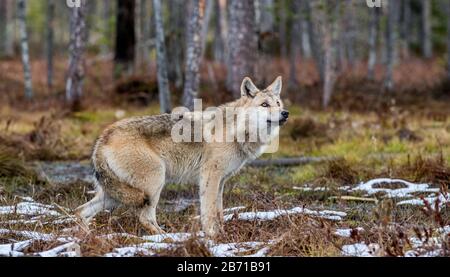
point(134, 158)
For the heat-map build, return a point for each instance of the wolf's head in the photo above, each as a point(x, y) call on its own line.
point(267, 102)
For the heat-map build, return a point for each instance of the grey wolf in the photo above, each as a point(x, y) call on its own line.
point(134, 158)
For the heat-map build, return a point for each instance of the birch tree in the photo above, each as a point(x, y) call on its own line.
point(242, 43)
point(305, 22)
point(330, 33)
point(193, 53)
point(75, 73)
point(163, 82)
point(21, 15)
point(50, 41)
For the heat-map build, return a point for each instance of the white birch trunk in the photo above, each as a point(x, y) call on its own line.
point(21, 12)
point(163, 82)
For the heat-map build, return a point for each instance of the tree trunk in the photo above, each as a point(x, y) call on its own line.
point(205, 25)
point(3, 26)
point(75, 74)
point(10, 28)
point(220, 27)
point(50, 40)
point(138, 60)
point(163, 82)
point(106, 21)
point(282, 29)
point(314, 40)
point(448, 39)
point(350, 32)
point(194, 53)
point(330, 33)
point(405, 28)
point(391, 43)
point(427, 46)
point(266, 20)
point(295, 43)
point(374, 27)
point(242, 43)
point(306, 40)
point(125, 37)
point(21, 14)
point(176, 43)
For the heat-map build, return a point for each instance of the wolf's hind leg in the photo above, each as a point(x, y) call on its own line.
point(153, 188)
point(100, 202)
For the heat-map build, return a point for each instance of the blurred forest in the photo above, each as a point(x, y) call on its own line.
point(111, 52)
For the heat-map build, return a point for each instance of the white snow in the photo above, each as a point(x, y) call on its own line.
point(270, 215)
point(347, 232)
point(231, 249)
point(14, 249)
point(71, 248)
point(409, 189)
point(29, 208)
point(169, 237)
point(28, 234)
point(360, 250)
point(431, 200)
point(306, 188)
point(232, 210)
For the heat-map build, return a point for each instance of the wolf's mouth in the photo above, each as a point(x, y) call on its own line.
point(279, 122)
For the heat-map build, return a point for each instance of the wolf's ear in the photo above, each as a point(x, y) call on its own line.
point(248, 89)
point(276, 86)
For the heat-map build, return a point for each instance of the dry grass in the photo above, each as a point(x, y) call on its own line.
point(405, 134)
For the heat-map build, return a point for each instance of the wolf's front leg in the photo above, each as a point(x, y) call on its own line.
point(209, 207)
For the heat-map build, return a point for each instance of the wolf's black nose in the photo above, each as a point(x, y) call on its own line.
point(285, 114)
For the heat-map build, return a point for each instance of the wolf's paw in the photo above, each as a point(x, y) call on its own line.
point(153, 229)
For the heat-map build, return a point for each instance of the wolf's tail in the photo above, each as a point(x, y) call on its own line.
point(118, 190)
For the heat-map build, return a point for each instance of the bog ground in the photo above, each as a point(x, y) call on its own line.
point(380, 187)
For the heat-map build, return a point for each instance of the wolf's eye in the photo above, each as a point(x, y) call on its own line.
point(278, 103)
point(265, 105)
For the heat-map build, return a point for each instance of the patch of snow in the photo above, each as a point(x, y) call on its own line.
point(171, 237)
point(29, 208)
point(231, 249)
point(347, 232)
point(72, 248)
point(394, 193)
point(130, 251)
point(14, 249)
point(306, 188)
point(270, 215)
point(360, 250)
point(444, 230)
point(115, 235)
point(232, 210)
point(28, 234)
point(431, 200)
